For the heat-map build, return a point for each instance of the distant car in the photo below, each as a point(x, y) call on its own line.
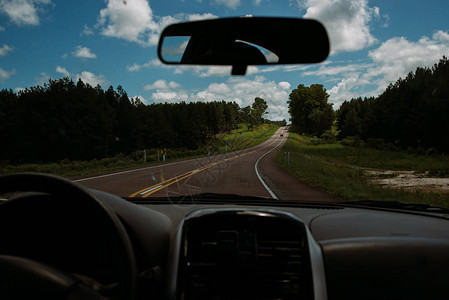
point(282, 134)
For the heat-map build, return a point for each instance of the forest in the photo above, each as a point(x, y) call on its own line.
point(411, 114)
point(67, 120)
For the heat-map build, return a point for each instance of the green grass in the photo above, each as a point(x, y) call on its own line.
point(340, 170)
point(238, 139)
point(376, 159)
point(243, 138)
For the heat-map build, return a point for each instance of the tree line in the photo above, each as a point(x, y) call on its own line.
point(411, 113)
point(66, 120)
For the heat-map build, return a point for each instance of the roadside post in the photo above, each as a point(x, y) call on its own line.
point(163, 153)
point(145, 155)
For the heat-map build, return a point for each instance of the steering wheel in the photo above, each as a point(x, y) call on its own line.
point(22, 276)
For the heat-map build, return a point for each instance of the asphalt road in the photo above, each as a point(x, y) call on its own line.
point(250, 172)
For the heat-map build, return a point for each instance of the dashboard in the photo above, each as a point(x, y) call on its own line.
point(247, 254)
point(236, 251)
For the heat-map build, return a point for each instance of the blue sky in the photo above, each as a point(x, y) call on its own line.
point(113, 43)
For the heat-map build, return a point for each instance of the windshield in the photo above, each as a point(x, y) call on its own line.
point(83, 95)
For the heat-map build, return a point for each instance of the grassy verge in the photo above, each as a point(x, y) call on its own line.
point(340, 170)
point(236, 140)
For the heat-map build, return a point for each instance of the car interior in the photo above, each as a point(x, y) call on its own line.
point(62, 240)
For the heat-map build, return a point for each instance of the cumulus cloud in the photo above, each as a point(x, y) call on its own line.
point(243, 90)
point(347, 21)
point(83, 52)
point(284, 85)
point(4, 75)
point(5, 49)
point(398, 56)
point(162, 84)
point(236, 89)
point(232, 4)
point(134, 21)
point(62, 71)
point(92, 79)
point(169, 96)
point(137, 67)
point(393, 59)
point(23, 12)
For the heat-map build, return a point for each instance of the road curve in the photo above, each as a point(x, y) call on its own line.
point(250, 172)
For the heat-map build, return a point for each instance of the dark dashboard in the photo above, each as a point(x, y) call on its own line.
point(233, 251)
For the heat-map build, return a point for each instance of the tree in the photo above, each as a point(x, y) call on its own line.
point(310, 113)
point(259, 109)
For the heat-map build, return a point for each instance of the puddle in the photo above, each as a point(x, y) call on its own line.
point(409, 180)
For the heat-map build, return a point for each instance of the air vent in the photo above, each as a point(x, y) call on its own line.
point(245, 257)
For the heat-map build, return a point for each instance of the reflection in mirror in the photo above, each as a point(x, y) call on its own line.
point(173, 48)
point(270, 57)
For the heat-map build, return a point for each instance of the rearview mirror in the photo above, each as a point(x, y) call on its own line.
point(240, 42)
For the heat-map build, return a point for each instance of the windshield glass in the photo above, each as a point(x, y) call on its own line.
point(83, 95)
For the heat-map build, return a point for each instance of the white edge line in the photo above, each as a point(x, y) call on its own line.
point(152, 189)
point(152, 167)
point(134, 170)
point(260, 177)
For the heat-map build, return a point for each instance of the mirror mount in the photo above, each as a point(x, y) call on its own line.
point(239, 70)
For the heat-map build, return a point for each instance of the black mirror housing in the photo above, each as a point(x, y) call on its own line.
point(240, 42)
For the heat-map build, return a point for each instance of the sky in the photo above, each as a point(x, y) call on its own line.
point(114, 42)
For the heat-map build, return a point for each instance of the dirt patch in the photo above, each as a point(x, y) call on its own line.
point(409, 180)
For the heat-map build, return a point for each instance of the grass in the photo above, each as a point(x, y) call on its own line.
point(376, 159)
point(238, 139)
point(340, 170)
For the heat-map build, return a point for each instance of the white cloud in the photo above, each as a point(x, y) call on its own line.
point(325, 70)
point(2, 28)
point(232, 4)
point(19, 89)
point(134, 21)
point(284, 85)
point(162, 84)
point(87, 31)
point(343, 90)
point(5, 49)
point(92, 79)
point(243, 91)
point(144, 101)
point(169, 96)
point(392, 60)
point(398, 56)
point(197, 17)
point(236, 89)
point(128, 20)
point(62, 71)
point(152, 63)
point(212, 71)
point(4, 75)
point(166, 91)
point(22, 12)
point(347, 21)
point(83, 52)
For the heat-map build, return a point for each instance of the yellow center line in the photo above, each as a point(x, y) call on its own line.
point(161, 185)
